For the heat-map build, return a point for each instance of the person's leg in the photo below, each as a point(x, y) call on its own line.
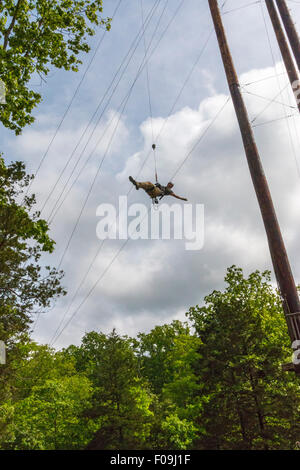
point(152, 190)
point(146, 185)
point(133, 182)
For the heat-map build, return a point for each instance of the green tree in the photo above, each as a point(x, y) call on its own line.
point(47, 404)
point(169, 357)
point(121, 401)
point(177, 433)
point(34, 364)
point(182, 362)
point(25, 286)
point(154, 348)
point(249, 402)
point(51, 416)
point(38, 35)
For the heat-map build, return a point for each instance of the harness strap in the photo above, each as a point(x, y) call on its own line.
point(153, 148)
point(148, 191)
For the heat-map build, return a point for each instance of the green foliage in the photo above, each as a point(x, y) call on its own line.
point(218, 387)
point(49, 398)
point(121, 398)
point(177, 433)
point(50, 417)
point(250, 402)
point(24, 285)
point(154, 349)
point(182, 361)
point(6, 418)
point(38, 35)
point(169, 357)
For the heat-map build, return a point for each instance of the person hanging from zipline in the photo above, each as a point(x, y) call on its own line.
point(156, 190)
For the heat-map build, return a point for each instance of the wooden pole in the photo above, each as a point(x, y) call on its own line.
point(278, 252)
point(284, 49)
point(290, 29)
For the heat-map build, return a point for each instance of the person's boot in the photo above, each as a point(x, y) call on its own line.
point(134, 182)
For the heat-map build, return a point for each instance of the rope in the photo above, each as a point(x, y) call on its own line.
point(201, 137)
point(263, 79)
point(179, 94)
point(94, 286)
point(274, 120)
point(149, 94)
point(241, 8)
point(271, 100)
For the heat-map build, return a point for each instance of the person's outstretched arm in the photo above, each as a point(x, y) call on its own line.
point(178, 197)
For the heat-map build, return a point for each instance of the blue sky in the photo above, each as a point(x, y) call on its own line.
point(153, 282)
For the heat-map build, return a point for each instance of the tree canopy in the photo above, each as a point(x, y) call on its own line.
point(27, 287)
point(24, 284)
point(213, 382)
point(38, 35)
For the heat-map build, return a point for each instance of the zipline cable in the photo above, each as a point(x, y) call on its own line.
point(263, 79)
point(286, 116)
point(129, 55)
point(241, 7)
point(94, 285)
point(120, 110)
point(63, 196)
point(124, 102)
point(270, 100)
point(201, 137)
point(109, 144)
point(148, 90)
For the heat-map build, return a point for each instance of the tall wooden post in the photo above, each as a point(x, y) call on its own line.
point(278, 252)
point(290, 29)
point(284, 49)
